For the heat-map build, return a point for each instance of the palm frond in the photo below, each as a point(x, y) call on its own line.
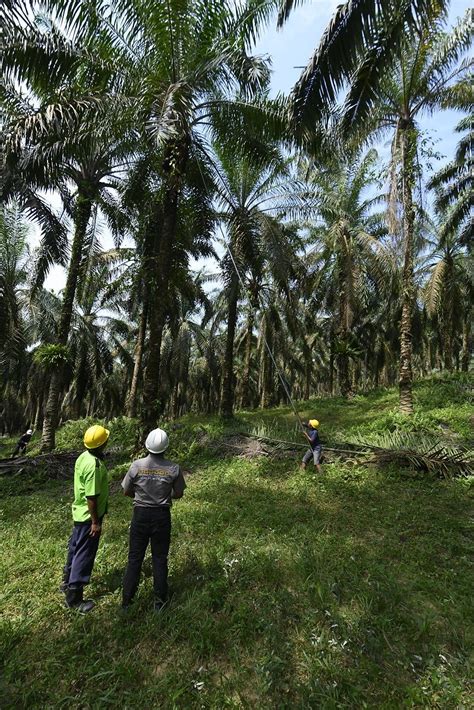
point(362, 27)
point(54, 247)
point(426, 454)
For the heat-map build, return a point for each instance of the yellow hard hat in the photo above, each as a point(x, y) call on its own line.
point(314, 423)
point(95, 436)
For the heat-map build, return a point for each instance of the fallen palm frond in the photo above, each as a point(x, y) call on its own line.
point(421, 452)
point(437, 460)
point(286, 444)
point(406, 450)
point(57, 465)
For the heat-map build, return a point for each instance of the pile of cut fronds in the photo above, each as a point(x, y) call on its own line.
point(404, 449)
point(420, 452)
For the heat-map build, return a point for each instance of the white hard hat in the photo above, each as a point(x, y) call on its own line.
point(157, 441)
point(30, 431)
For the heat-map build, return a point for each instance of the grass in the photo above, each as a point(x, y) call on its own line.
point(349, 590)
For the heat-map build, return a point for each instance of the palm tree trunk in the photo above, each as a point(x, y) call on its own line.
point(448, 349)
point(184, 404)
point(308, 375)
point(405, 380)
point(151, 405)
point(366, 370)
point(39, 412)
point(331, 362)
point(343, 356)
point(356, 376)
point(227, 397)
point(174, 166)
point(376, 371)
point(266, 368)
point(245, 385)
point(448, 317)
point(137, 364)
point(83, 212)
point(174, 403)
point(466, 341)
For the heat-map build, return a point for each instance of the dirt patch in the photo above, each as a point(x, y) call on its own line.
point(241, 447)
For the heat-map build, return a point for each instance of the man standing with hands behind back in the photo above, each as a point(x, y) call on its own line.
point(91, 494)
point(152, 482)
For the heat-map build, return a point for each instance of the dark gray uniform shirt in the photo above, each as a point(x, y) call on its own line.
point(153, 480)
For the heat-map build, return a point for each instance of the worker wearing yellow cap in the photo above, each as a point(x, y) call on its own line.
point(312, 434)
point(91, 493)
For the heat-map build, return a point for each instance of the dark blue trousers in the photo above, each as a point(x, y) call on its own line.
point(82, 549)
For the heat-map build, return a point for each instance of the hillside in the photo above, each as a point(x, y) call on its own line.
point(349, 589)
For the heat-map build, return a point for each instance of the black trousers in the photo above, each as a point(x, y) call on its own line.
point(82, 549)
point(20, 448)
point(148, 525)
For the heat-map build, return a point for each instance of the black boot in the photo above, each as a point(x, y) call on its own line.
point(65, 583)
point(158, 605)
point(75, 599)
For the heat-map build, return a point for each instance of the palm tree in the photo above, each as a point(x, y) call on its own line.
point(99, 339)
point(448, 293)
point(206, 358)
point(349, 259)
point(59, 144)
point(14, 271)
point(427, 75)
point(455, 185)
point(179, 336)
point(14, 258)
point(178, 64)
point(252, 194)
point(372, 29)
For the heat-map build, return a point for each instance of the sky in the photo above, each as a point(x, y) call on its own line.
point(290, 49)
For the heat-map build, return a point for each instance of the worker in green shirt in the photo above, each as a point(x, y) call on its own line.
point(91, 493)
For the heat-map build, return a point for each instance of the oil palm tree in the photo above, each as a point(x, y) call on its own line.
point(428, 74)
point(14, 272)
point(448, 292)
point(455, 186)
point(252, 196)
point(372, 29)
point(99, 338)
point(348, 252)
point(182, 330)
point(56, 142)
point(172, 68)
point(179, 64)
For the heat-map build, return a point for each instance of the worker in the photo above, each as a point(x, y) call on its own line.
point(91, 493)
point(152, 482)
point(315, 452)
point(22, 442)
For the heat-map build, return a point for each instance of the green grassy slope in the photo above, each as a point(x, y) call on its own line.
point(349, 590)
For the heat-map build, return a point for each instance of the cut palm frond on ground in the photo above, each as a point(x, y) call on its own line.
point(423, 453)
point(406, 450)
point(437, 460)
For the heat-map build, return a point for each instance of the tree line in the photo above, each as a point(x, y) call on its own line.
point(337, 272)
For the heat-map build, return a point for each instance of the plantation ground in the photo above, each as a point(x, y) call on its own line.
point(348, 590)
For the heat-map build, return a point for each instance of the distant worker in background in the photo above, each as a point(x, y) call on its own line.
point(152, 482)
point(22, 442)
point(91, 494)
point(315, 452)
